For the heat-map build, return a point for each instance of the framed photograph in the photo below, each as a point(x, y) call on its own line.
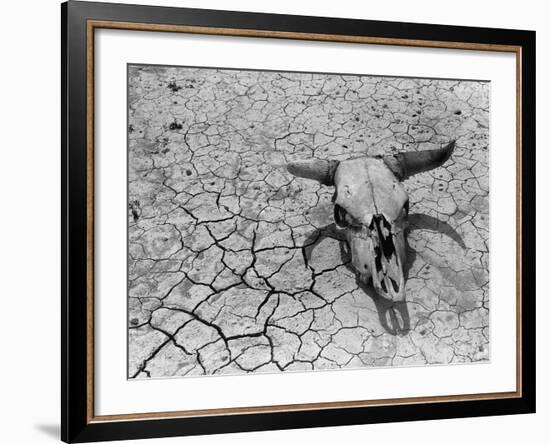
point(275, 221)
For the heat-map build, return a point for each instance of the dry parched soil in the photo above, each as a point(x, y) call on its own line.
point(236, 266)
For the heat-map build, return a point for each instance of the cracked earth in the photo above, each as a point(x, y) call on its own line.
point(236, 266)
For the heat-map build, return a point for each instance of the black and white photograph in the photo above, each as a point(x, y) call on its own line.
point(301, 221)
point(274, 222)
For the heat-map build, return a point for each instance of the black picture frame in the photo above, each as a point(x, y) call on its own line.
point(77, 425)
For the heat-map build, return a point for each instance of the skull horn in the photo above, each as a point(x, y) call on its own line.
point(319, 170)
point(405, 165)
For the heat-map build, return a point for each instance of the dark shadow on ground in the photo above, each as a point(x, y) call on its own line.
point(419, 221)
point(394, 316)
point(318, 235)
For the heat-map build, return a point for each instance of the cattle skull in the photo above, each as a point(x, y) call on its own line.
point(372, 206)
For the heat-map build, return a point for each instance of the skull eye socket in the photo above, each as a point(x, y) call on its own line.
point(342, 218)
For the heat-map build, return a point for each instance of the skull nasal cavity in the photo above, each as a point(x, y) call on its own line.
point(383, 228)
